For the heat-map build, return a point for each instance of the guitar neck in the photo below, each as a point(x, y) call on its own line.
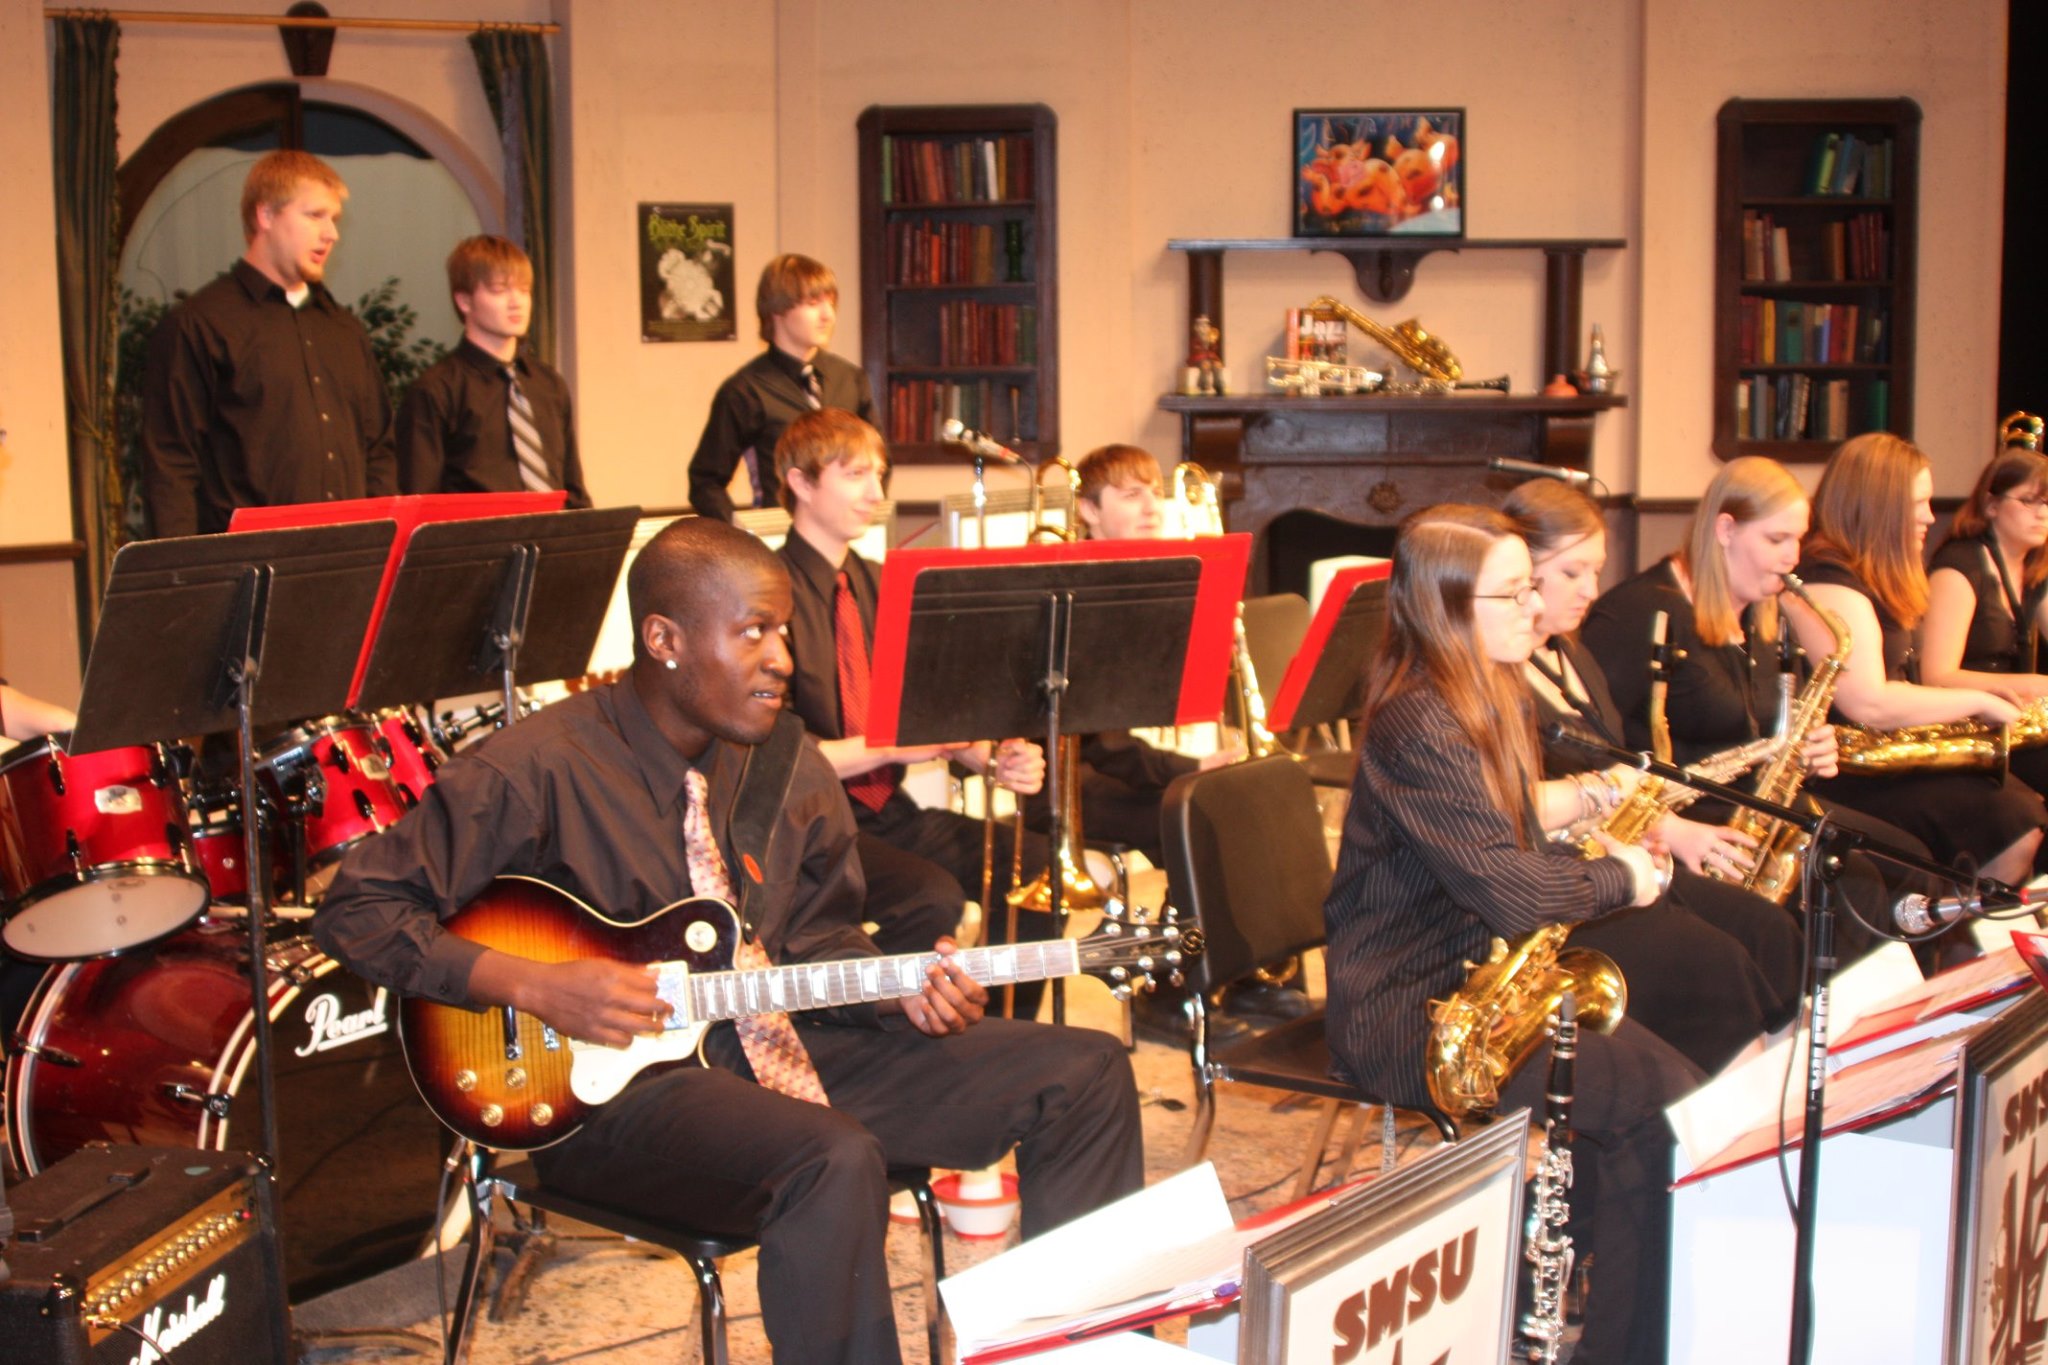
point(712, 996)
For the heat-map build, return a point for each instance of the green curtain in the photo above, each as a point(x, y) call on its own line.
point(88, 265)
point(514, 67)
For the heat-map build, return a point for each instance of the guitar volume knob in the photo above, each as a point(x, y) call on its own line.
point(515, 1077)
point(465, 1080)
point(491, 1115)
point(542, 1114)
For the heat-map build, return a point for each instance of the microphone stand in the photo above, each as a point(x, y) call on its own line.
point(1830, 845)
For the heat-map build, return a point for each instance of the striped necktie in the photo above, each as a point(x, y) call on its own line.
point(814, 391)
point(533, 466)
point(777, 1055)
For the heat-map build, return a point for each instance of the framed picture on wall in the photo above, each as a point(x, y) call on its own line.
point(686, 272)
point(1379, 172)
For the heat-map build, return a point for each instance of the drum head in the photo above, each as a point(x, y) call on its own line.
point(111, 912)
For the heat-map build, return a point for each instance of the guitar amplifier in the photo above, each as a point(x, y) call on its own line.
point(115, 1244)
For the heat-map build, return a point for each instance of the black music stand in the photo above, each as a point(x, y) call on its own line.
point(187, 628)
point(1054, 639)
point(1324, 680)
point(482, 603)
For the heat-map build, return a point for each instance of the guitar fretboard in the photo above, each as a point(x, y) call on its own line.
point(704, 997)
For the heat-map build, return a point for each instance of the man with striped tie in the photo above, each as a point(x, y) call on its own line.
point(485, 418)
point(798, 304)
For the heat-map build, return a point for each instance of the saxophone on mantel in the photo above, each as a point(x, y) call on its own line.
point(1774, 867)
point(1437, 368)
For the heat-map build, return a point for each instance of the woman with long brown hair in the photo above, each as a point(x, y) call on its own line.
point(1711, 967)
point(1987, 585)
point(1443, 849)
point(1861, 562)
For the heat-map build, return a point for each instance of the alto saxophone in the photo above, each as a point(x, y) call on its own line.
point(1974, 745)
point(1774, 869)
point(1547, 1247)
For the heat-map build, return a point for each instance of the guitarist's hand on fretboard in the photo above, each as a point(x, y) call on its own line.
point(595, 999)
point(951, 1001)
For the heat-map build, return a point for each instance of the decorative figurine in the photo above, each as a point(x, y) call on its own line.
point(1205, 355)
point(1599, 375)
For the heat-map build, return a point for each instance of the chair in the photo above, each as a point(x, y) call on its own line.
point(1246, 857)
point(486, 1181)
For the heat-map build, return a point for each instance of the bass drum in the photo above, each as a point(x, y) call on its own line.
point(156, 1048)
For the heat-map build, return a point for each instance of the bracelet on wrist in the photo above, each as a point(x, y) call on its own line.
point(1614, 792)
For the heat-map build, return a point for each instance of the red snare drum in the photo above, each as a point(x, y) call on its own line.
point(334, 772)
point(94, 856)
point(411, 753)
point(157, 1048)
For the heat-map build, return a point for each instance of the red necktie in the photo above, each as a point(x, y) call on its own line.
point(769, 1040)
point(850, 645)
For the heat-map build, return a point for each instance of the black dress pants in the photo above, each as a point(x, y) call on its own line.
point(706, 1148)
point(1621, 1161)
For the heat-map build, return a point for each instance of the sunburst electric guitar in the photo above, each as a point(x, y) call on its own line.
point(504, 1079)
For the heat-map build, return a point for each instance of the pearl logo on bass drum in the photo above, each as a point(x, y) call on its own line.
point(328, 1027)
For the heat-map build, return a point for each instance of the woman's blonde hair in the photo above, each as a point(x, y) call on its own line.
point(1433, 640)
point(1747, 489)
point(1863, 520)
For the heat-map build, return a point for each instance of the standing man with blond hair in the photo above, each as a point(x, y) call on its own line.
point(260, 389)
point(798, 304)
point(485, 418)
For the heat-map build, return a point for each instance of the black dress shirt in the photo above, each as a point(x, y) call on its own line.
point(1429, 871)
point(454, 436)
point(250, 402)
point(1721, 695)
point(589, 796)
point(750, 412)
point(813, 647)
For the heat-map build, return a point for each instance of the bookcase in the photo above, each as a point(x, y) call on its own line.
point(959, 259)
point(1815, 248)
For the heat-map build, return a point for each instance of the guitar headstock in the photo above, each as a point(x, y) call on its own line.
point(1137, 954)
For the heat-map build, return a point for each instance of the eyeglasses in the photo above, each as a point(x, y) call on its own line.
point(1521, 596)
point(2034, 503)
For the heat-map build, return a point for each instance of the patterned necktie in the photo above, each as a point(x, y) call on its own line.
point(814, 392)
point(533, 466)
point(850, 645)
point(772, 1047)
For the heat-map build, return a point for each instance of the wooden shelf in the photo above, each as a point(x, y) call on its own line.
point(1385, 266)
point(1764, 148)
point(904, 319)
point(1449, 404)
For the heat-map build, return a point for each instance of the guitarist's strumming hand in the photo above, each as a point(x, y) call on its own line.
point(951, 1000)
point(593, 999)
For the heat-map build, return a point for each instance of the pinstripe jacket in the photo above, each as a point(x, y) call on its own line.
point(1429, 871)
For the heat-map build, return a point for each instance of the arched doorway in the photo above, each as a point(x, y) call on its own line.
point(414, 191)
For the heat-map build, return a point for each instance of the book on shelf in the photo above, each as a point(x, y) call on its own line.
point(1844, 250)
point(1317, 334)
point(1845, 165)
point(930, 170)
point(976, 333)
point(919, 408)
point(1801, 332)
point(936, 251)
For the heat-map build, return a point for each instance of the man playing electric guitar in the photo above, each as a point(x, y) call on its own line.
point(667, 784)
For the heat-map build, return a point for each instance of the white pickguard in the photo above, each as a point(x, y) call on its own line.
point(596, 1073)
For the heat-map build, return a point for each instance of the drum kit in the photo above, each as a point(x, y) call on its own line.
point(126, 874)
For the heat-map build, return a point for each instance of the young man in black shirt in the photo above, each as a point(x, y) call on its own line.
point(485, 418)
point(630, 797)
point(260, 389)
point(922, 864)
point(798, 304)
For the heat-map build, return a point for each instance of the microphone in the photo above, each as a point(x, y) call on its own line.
point(1918, 914)
point(1576, 478)
point(959, 433)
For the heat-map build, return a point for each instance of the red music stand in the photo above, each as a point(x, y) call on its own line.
point(1323, 680)
point(1055, 638)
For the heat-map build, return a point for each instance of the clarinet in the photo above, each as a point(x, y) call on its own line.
point(1546, 1247)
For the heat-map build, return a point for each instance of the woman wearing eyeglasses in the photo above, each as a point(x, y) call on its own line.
point(1862, 563)
point(1443, 850)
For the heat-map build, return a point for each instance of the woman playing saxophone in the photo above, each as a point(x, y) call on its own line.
point(1862, 562)
point(1443, 850)
point(1710, 967)
point(1730, 666)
